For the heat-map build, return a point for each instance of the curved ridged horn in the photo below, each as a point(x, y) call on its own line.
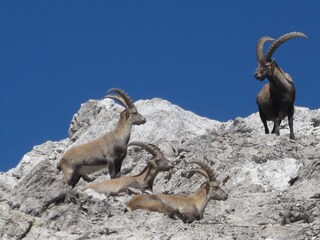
point(281, 40)
point(119, 98)
point(259, 48)
point(206, 168)
point(201, 171)
point(154, 150)
point(124, 95)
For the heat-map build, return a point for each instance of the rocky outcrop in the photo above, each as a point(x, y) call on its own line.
point(273, 182)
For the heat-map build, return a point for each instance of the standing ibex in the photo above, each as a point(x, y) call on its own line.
point(187, 208)
point(276, 99)
point(107, 150)
point(143, 181)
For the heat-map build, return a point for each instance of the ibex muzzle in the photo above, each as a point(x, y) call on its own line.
point(187, 208)
point(107, 150)
point(143, 181)
point(276, 99)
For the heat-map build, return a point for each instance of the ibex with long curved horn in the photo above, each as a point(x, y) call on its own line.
point(187, 208)
point(276, 99)
point(107, 150)
point(143, 181)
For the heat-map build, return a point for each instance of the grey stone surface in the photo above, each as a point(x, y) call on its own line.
point(273, 182)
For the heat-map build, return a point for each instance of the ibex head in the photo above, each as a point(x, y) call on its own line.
point(158, 161)
point(131, 112)
point(214, 191)
point(265, 63)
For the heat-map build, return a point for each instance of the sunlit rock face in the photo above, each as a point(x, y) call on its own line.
point(273, 182)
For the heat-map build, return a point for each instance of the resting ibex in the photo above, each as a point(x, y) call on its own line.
point(276, 99)
point(143, 181)
point(107, 150)
point(187, 208)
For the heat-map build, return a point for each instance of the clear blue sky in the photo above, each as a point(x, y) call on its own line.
point(199, 55)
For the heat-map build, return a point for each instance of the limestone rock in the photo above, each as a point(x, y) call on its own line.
point(273, 182)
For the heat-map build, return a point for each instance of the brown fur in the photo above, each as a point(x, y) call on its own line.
point(107, 150)
point(276, 99)
point(143, 181)
point(187, 208)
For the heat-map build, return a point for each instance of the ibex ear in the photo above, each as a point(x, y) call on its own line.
point(207, 187)
point(270, 65)
point(127, 113)
point(122, 113)
point(152, 162)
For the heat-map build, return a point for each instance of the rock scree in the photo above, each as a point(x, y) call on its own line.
point(273, 182)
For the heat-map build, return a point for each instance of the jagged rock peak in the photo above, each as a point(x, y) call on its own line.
point(273, 182)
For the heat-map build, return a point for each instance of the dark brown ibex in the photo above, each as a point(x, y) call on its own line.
point(143, 181)
point(107, 150)
point(276, 99)
point(187, 208)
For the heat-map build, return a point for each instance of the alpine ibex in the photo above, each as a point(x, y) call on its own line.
point(276, 99)
point(143, 181)
point(187, 208)
point(107, 150)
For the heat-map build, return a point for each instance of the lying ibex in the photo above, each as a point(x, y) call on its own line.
point(187, 208)
point(107, 150)
point(143, 181)
point(276, 99)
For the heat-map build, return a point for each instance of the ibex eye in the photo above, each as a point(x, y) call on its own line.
point(279, 88)
point(109, 145)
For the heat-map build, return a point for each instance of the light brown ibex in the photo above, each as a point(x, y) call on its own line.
point(143, 181)
point(107, 150)
point(187, 208)
point(276, 99)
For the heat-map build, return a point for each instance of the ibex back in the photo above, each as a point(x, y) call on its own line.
point(276, 99)
point(187, 208)
point(143, 181)
point(108, 150)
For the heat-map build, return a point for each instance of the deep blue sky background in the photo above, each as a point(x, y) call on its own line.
point(200, 55)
